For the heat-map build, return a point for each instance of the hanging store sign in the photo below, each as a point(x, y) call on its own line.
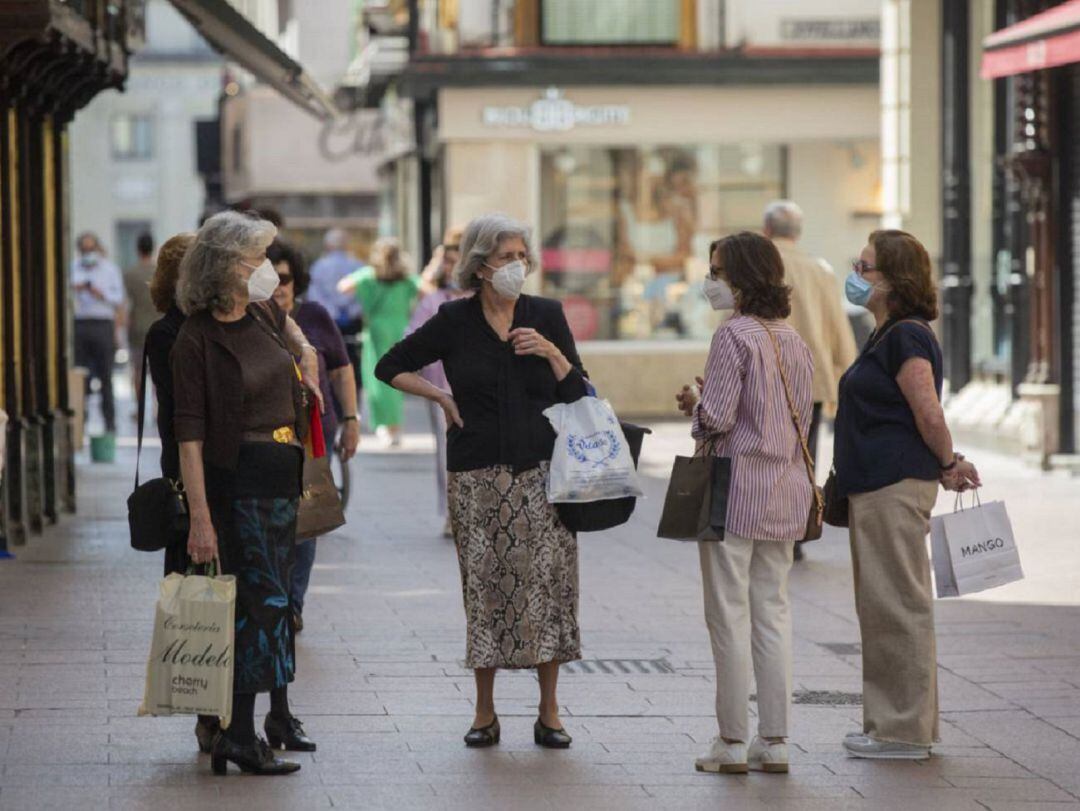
point(553, 112)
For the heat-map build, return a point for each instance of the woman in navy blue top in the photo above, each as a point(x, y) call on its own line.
point(892, 450)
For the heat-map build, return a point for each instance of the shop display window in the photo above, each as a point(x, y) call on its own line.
point(625, 232)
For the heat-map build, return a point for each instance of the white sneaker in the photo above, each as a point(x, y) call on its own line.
point(767, 757)
point(723, 758)
point(864, 746)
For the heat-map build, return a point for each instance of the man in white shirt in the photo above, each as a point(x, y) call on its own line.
point(98, 289)
point(817, 313)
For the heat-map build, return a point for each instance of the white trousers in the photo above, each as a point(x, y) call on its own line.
point(749, 620)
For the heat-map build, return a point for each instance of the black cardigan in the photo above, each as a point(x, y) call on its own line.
point(500, 395)
point(159, 343)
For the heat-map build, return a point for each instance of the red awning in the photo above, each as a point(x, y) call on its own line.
point(1045, 40)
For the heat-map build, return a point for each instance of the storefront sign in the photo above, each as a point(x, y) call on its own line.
point(555, 113)
point(379, 135)
point(830, 29)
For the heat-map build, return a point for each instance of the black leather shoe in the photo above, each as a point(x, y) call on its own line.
point(287, 733)
point(550, 738)
point(297, 622)
point(254, 758)
point(205, 732)
point(485, 736)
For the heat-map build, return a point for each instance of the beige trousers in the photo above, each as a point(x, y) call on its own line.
point(749, 619)
point(895, 604)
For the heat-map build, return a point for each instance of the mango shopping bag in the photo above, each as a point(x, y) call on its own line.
point(591, 460)
point(974, 549)
point(190, 669)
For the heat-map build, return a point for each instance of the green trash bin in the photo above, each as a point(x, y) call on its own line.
point(103, 448)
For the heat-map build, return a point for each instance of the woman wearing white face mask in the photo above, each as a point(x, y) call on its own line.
point(507, 357)
point(740, 409)
point(239, 418)
point(892, 449)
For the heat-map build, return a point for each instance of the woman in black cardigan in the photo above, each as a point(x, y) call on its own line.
point(507, 357)
point(159, 343)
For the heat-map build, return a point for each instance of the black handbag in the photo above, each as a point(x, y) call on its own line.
point(157, 509)
point(695, 507)
point(595, 516)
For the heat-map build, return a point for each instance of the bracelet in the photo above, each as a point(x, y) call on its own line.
point(348, 417)
point(951, 465)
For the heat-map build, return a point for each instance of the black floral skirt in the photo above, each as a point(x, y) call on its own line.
point(254, 513)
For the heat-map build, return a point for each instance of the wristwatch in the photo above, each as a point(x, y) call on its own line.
point(348, 417)
point(956, 458)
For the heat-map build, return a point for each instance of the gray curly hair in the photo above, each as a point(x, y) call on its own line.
point(208, 279)
point(482, 237)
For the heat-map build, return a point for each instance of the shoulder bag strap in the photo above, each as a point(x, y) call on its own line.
point(142, 412)
point(923, 324)
point(807, 458)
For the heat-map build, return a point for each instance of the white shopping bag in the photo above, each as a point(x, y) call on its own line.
point(190, 669)
point(591, 461)
point(973, 550)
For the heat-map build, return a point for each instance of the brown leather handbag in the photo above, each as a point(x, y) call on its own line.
point(320, 509)
point(815, 518)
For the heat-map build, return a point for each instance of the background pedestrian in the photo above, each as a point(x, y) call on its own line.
point(386, 291)
point(335, 378)
point(99, 297)
point(141, 312)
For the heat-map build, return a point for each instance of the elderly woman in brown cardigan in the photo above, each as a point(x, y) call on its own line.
point(239, 420)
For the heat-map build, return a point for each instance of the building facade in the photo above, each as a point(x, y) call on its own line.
point(981, 117)
point(54, 58)
point(630, 135)
point(133, 153)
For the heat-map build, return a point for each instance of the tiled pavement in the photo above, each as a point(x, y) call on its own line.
point(381, 686)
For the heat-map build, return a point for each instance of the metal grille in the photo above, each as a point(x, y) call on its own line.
point(842, 648)
point(823, 698)
point(618, 667)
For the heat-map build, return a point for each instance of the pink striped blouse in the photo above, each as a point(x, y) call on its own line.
point(743, 407)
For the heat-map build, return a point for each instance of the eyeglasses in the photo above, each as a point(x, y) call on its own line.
point(715, 272)
point(860, 267)
point(285, 278)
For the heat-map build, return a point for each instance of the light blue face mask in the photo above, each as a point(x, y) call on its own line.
point(857, 289)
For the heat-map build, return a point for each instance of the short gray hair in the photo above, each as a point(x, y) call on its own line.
point(482, 237)
point(783, 218)
point(335, 240)
point(208, 279)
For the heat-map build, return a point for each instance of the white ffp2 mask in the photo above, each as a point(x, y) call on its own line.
point(509, 279)
point(719, 294)
point(262, 282)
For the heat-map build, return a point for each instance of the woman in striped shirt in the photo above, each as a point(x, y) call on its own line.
point(740, 408)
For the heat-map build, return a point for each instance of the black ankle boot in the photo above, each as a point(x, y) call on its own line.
point(287, 733)
point(477, 738)
point(254, 758)
point(205, 730)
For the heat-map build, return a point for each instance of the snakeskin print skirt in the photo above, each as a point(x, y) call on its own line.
point(519, 569)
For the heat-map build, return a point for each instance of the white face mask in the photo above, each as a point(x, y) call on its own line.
point(719, 294)
point(263, 282)
point(509, 279)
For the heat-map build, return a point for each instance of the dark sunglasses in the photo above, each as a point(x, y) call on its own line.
point(285, 278)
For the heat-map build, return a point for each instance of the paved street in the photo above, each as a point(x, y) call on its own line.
point(382, 690)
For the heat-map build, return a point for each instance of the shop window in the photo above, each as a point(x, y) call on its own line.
point(625, 232)
point(610, 22)
point(132, 137)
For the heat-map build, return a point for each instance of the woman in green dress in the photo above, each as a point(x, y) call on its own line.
point(387, 291)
